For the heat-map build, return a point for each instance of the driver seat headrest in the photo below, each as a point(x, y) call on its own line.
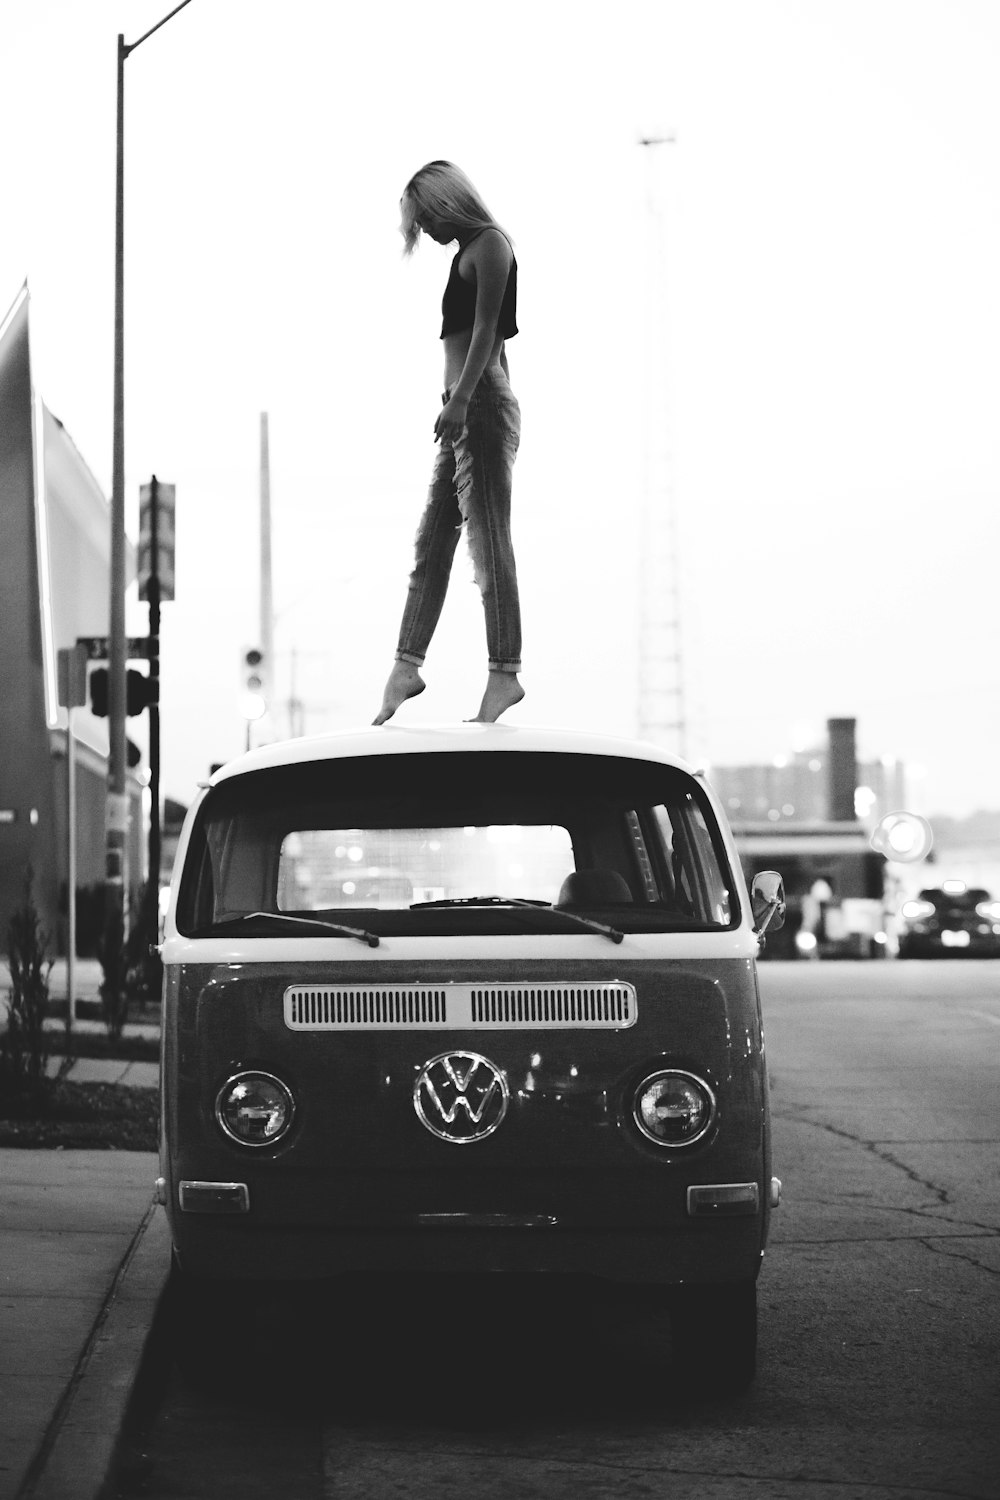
point(594, 888)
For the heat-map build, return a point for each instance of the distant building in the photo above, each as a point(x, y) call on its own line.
point(809, 815)
point(54, 586)
point(798, 788)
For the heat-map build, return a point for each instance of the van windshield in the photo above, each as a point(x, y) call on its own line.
point(457, 842)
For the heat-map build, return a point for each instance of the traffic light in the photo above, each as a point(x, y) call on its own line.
point(99, 693)
point(253, 703)
point(159, 500)
point(139, 693)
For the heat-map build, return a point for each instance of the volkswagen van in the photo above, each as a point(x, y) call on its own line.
point(470, 999)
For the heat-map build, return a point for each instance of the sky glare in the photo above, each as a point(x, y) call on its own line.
point(830, 324)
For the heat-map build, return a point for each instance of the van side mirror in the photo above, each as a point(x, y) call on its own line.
point(767, 901)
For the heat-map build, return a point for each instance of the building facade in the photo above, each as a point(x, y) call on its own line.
point(54, 587)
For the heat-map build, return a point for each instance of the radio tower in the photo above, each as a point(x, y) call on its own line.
point(661, 716)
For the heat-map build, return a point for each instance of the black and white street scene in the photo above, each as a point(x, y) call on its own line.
point(499, 833)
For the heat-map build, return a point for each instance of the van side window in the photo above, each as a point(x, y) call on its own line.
point(695, 869)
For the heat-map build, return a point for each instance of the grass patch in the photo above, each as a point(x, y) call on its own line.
point(91, 1116)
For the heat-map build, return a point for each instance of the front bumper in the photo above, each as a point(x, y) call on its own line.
point(700, 1252)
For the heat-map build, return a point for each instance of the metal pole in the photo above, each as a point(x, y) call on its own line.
point(154, 711)
point(117, 813)
point(662, 710)
point(117, 805)
point(71, 868)
point(266, 603)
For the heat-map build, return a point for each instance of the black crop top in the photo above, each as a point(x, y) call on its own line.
point(458, 306)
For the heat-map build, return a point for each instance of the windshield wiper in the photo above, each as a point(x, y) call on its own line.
point(371, 938)
point(538, 907)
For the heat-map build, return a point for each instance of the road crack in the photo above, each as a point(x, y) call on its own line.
point(939, 1245)
point(978, 1229)
point(875, 1148)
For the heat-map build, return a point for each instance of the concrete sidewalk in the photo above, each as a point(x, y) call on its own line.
point(87, 973)
point(133, 1075)
point(84, 1257)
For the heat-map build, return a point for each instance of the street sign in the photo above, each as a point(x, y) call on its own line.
point(96, 647)
point(161, 498)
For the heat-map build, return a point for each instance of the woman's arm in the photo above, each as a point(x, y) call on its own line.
point(491, 257)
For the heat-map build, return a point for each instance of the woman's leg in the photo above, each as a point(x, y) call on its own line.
point(484, 463)
point(434, 551)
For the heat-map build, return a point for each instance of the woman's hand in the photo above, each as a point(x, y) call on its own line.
point(451, 420)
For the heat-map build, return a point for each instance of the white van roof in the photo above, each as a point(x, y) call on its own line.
point(391, 739)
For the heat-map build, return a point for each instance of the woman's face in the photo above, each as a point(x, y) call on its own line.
point(437, 229)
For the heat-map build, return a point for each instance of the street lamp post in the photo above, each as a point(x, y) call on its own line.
point(661, 703)
point(117, 797)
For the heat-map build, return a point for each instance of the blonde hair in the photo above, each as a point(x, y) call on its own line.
point(442, 189)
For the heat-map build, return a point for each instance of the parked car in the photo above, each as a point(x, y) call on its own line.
point(535, 1046)
point(950, 921)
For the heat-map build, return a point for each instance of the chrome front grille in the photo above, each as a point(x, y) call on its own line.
point(494, 1007)
point(342, 1008)
point(554, 1005)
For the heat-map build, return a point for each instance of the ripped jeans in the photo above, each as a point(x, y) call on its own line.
point(470, 488)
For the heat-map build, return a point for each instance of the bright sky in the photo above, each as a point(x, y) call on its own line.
point(832, 324)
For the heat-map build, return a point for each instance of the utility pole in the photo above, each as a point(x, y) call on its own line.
point(662, 712)
point(156, 584)
point(117, 809)
point(116, 822)
point(266, 598)
point(296, 707)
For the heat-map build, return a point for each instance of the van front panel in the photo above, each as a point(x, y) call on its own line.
point(568, 1154)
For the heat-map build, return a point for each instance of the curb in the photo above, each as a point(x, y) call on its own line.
point(77, 1455)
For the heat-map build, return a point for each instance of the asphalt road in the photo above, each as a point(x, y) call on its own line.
point(880, 1317)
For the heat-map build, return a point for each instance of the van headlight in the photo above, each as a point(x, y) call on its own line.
point(673, 1108)
point(254, 1109)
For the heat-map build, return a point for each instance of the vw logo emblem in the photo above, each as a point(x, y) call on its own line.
point(460, 1097)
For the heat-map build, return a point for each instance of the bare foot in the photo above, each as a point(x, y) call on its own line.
point(404, 682)
point(502, 691)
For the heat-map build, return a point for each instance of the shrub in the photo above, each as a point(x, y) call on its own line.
point(23, 1050)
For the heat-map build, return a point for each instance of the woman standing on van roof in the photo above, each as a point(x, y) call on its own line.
point(478, 428)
